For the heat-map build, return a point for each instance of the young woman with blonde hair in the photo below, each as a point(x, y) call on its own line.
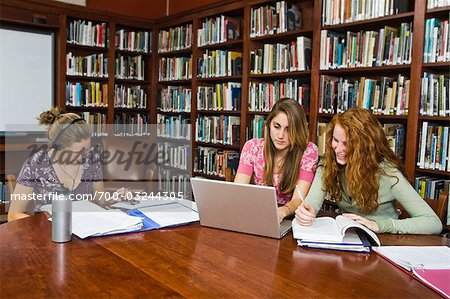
point(366, 179)
point(283, 158)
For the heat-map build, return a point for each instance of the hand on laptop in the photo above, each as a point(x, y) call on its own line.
point(283, 212)
point(305, 214)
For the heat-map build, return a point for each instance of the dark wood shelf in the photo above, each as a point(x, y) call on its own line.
point(372, 69)
point(218, 145)
point(173, 140)
point(179, 170)
point(131, 81)
point(132, 53)
point(209, 176)
point(87, 48)
point(258, 113)
point(370, 23)
point(87, 108)
point(174, 113)
point(280, 75)
point(220, 79)
point(130, 110)
point(218, 112)
point(182, 52)
point(439, 66)
point(433, 172)
point(175, 82)
point(380, 117)
point(225, 45)
point(435, 118)
point(285, 36)
point(438, 11)
point(85, 78)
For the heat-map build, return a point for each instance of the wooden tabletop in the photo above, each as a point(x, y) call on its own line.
point(193, 261)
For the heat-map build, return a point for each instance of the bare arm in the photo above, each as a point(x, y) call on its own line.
point(242, 178)
point(289, 208)
point(19, 202)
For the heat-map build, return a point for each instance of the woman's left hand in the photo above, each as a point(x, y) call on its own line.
point(370, 224)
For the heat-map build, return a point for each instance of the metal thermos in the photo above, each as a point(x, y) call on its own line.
point(61, 216)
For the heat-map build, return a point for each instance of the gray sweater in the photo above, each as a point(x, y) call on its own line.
point(423, 219)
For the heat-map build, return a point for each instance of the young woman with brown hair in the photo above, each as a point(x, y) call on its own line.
point(366, 179)
point(283, 158)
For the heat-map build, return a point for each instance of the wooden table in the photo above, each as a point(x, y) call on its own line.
point(193, 261)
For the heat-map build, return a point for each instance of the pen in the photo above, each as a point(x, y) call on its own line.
point(300, 194)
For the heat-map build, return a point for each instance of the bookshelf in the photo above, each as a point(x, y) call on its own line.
point(189, 88)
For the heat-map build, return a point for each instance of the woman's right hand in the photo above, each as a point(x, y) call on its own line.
point(305, 214)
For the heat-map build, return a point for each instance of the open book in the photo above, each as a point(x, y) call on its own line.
point(428, 264)
point(340, 233)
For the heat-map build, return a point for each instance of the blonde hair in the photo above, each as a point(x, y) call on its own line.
point(367, 147)
point(64, 127)
point(298, 137)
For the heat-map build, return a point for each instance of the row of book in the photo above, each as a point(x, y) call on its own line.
point(437, 3)
point(430, 188)
point(262, 96)
point(174, 155)
point(174, 183)
point(388, 46)
point(346, 11)
point(130, 97)
point(97, 122)
point(219, 63)
point(88, 94)
point(175, 39)
point(3, 195)
point(130, 67)
point(95, 65)
point(435, 95)
point(215, 162)
point(225, 96)
point(81, 32)
point(218, 30)
point(274, 18)
point(175, 99)
point(139, 41)
point(387, 96)
point(434, 149)
point(437, 41)
point(257, 126)
point(175, 68)
point(131, 124)
point(218, 129)
point(176, 127)
point(280, 58)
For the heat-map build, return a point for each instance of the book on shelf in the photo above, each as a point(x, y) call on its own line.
point(95, 65)
point(382, 97)
point(176, 127)
point(388, 46)
point(218, 129)
point(130, 97)
point(437, 40)
point(434, 149)
point(347, 11)
point(395, 135)
point(175, 99)
point(435, 95)
point(174, 155)
point(428, 264)
point(130, 67)
point(219, 63)
point(173, 181)
point(131, 124)
point(97, 122)
point(88, 94)
point(437, 3)
point(175, 39)
point(257, 127)
point(86, 33)
point(431, 188)
point(339, 234)
point(135, 41)
point(216, 162)
point(218, 30)
point(274, 18)
point(175, 68)
point(220, 97)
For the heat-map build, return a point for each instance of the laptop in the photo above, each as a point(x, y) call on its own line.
point(243, 208)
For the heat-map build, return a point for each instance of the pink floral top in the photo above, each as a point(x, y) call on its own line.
point(252, 162)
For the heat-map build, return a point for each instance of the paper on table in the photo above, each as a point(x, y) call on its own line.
point(422, 257)
point(154, 201)
point(169, 214)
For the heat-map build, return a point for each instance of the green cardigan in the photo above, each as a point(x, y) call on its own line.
point(423, 219)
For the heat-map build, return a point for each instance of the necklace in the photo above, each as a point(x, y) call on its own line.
point(71, 177)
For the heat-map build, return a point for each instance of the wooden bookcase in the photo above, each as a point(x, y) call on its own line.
point(21, 13)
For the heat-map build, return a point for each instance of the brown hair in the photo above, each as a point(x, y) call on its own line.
point(60, 127)
point(367, 147)
point(298, 137)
